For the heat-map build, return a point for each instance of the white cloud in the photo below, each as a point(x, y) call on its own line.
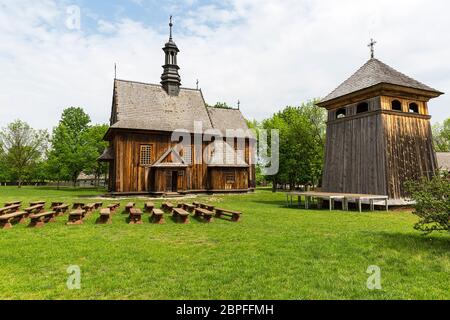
point(267, 54)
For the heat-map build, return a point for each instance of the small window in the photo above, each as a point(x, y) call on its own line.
point(413, 107)
point(231, 178)
point(362, 107)
point(341, 113)
point(396, 105)
point(187, 155)
point(146, 155)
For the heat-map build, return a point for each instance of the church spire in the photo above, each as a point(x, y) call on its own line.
point(170, 79)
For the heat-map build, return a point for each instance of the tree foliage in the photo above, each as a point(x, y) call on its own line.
point(441, 136)
point(72, 150)
point(22, 148)
point(432, 202)
point(302, 140)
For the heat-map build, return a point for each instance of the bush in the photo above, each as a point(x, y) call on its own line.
point(432, 202)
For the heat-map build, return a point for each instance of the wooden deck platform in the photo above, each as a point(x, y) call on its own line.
point(344, 198)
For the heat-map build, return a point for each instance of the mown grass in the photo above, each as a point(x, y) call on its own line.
point(274, 253)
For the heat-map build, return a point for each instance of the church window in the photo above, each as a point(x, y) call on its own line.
point(396, 105)
point(146, 155)
point(230, 178)
point(341, 113)
point(362, 107)
point(413, 107)
point(187, 155)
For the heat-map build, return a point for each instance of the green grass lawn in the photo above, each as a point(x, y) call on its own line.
point(274, 253)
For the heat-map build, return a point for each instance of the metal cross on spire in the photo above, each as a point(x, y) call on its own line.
point(372, 48)
point(197, 83)
point(171, 26)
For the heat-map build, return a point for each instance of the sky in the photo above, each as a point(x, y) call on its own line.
point(268, 54)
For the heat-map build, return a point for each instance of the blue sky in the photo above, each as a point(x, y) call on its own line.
point(266, 53)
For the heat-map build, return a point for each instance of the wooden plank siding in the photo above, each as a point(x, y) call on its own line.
point(376, 152)
point(129, 176)
point(354, 158)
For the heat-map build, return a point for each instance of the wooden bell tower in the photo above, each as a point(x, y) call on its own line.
point(378, 132)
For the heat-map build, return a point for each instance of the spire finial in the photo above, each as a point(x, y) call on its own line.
point(239, 104)
point(171, 26)
point(197, 83)
point(372, 48)
point(115, 70)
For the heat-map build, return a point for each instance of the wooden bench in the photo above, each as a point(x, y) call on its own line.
point(129, 206)
point(38, 208)
point(167, 206)
point(235, 215)
point(157, 216)
point(105, 216)
point(38, 220)
point(148, 207)
point(7, 220)
point(12, 203)
point(206, 214)
point(89, 208)
point(180, 215)
point(78, 205)
point(135, 216)
point(188, 207)
point(56, 204)
point(61, 209)
point(10, 209)
point(113, 207)
point(76, 217)
point(98, 205)
point(203, 206)
point(35, 203)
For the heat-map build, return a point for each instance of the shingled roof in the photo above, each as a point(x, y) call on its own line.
point(149, 107)
point(372, 73)
point(143, 106)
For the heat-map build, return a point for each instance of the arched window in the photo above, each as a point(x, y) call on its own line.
point(362, 107)
point(413, 107)
point(341, 113)
point(396, 105)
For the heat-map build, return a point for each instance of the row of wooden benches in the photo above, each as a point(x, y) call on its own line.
point(38, 216)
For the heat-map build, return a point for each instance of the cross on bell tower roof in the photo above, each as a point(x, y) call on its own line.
point(371, 45)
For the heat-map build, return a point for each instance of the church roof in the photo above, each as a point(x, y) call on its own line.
point(144, 106)
point(223, 119)
point(372, 73)
point(149, 107)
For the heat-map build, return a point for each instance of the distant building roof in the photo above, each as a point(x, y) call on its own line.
point(149, 107)
point(372, 73)
point(83, 177)
point(443, 159)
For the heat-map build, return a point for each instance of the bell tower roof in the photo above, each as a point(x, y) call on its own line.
point(373, 73)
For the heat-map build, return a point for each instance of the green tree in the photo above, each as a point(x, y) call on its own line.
point(22, 148)
point(94, 137)
point(441, 136)
point(432, 202)
point(71, 150)
point(302, 141)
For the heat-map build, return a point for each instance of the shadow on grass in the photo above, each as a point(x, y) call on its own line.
point(437, 243)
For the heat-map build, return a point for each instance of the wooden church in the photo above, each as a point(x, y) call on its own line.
point(143, 156)
point(378, 132)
